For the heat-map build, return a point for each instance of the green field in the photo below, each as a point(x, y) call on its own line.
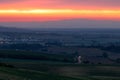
point(22, 74)
point(29, 69)
point(58, 71)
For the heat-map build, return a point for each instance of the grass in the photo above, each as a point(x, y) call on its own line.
point(26, 69)
point(22, 74)
point(28, 55)
point(56, 71)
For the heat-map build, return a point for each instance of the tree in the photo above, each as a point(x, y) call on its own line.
point(86, 62)
point(118, 60)
point(105, 55)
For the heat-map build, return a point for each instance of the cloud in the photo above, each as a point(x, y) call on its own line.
point(11, 1)
point(93, 3)
point(72, 4)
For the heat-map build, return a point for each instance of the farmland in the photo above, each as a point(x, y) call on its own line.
point(30, 69)
point(52, 55)
point(56, 71)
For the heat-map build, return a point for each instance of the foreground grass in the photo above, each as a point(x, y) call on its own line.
point(27, 69)
point(22, 74)
point(61, 72)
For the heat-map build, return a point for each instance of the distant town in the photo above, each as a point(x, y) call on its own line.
point(62, 38)
point(91, 46)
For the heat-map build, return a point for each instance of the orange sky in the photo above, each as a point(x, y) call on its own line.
point(44, 10)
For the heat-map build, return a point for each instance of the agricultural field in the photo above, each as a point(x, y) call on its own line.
point(23, 65)
point(21, 74)
point(60, 72)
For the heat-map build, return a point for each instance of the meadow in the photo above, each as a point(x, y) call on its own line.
point(22, 65)
point(61, 72)
point(50, 70)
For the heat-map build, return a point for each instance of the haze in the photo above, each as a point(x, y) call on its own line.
point(60, 13)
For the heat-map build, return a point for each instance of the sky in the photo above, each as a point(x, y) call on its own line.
point(23, 12)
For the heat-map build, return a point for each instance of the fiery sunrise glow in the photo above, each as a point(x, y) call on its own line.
point(48, 11)
point(44, 10)
point(60, 13)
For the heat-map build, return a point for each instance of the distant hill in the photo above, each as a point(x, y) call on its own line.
point(68, 23)
point(12, 29)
